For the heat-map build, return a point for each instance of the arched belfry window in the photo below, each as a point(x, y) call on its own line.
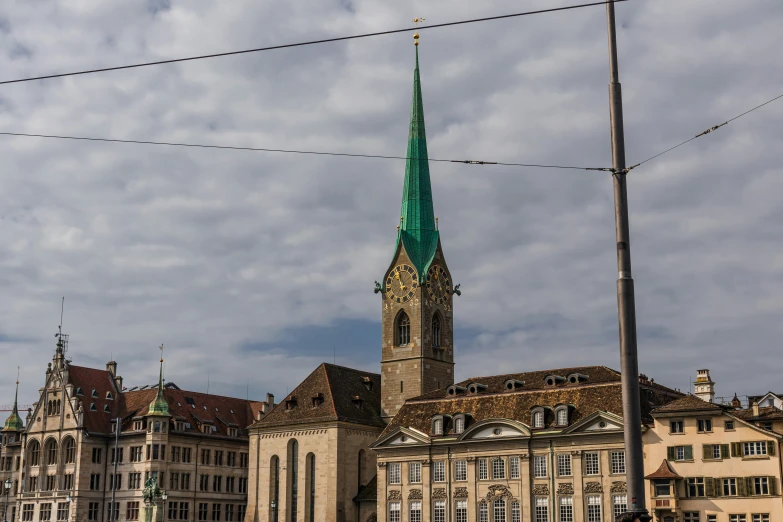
point(436, 338)
point(403, 329)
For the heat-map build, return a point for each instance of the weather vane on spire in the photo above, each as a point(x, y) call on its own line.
point(417, 21)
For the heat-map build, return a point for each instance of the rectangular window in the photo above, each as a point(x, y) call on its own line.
point(184, 510)
point(203, 510)
point(394, 512)
point(62, 511)
point(46, 512)
point(173, 510)
point(244, 459)
point(27, 512)
point(203, 483)
point(690, 516)
point(415, 511)
point(218, 458)
point(136, 454)
point(539, 466)
point(728, 425)
point(696, 487)
point(132, 510)
point(394, 473)
point(205, 454)
point(516, 513)
point(499, 511)
point(542, 509)
point(498, 469)
point(594, 508)
point(716, 451)
point(439, 511)
point(566, 509)
point(712, 518)
point(231, 460)
point(676, 426)
point(738, 518)
point(754, 448)
point(186, 452)
point(483, 512)
point(96, 455)
point(185, 482)
point(729, 487)
point(68, 481)
point(92, 511)
point(564, 465)
point(95, 482)
point(439, 471)
point(591, 464)
point(113, 511)
point(460, 470)
point(483, 473)
point(414, 472)
point(760, 486)
point(705, 426)
point(216, 512)
point(461, 511)
point(134, 480)
point(760, 517)
point(513, 465)
point(619, 504)
point(618, 462)
point(229, 512)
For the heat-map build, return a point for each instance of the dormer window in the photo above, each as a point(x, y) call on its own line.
point(367, 383)
point(513, 384)
point(92, 407)
point(318, 400)
point(232, 432)
point(94, 394)
point(106, 408)
point(460, 420)
point(79, 391)
point(437, 426)
point(455, 389)
point(553, 380)
point(109, 396)
point(475, 388)
point(290, 404)
point(538, 417)
point(357, 401)
point(561, 415)
point(576, 378)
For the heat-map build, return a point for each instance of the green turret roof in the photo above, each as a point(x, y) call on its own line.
point(14, 422)
point(418, 231)
point(159, 406)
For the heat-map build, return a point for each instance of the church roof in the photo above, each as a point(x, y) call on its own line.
point(418, 232)
point(330, 393)
point(597, 390)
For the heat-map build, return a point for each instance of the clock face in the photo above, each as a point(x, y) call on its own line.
point(438, 284)
point(401, 283)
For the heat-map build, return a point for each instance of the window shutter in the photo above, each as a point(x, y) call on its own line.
point(748, 485)
point(724, 451)
point(670, 453)
point(709, 487)
point(706, 451)
point(736, 450)
point(689, 452)
point(771, 447)
point(773, 486)
point(742, 490)
point(717, 486)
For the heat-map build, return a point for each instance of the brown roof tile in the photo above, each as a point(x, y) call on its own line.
point(96, 418)
point(343, 396)
point(664, 471)
point(765, 413)
point(687, 403)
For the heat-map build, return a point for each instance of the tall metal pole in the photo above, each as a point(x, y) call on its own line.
point(626, 307)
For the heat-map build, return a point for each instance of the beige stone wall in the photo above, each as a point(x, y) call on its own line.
point(658, 439)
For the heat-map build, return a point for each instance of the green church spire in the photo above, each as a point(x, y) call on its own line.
point(418, 230)
point(159, 406)
point(14, 422)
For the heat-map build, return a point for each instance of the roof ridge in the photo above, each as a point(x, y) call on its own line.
point(329, 387)
point(512, 392)
point(357, 370)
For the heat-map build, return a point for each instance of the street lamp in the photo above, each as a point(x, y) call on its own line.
point(68, 501)
point(7, 490)
point(164, 496)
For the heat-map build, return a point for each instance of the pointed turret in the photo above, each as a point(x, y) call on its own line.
point(418, 230)
point(159, 406)
point(14, 422)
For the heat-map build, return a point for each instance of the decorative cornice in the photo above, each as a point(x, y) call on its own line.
point(619, 487)
point(415, 494)
point(541, 489)
point(593, 487)
point(394, 494)
point(460, 492)
point(497, 491)
point(439, 494)
point(565, 488)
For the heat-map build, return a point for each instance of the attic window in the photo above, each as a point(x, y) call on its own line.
point(576, 378)
point(552, 380)
point(367, 383)
point(513, 384)
point(437, 426)
point(538, 417)
point(106, 408)
point(290, 404)
point(92, 407)
point(190, 401)
point(475, 388)
point(318, 400)
point(232, 432)
point(95, 394)
point(357, 401)
point(232, 411)
point(109, 396)
point(79, 391)
point(455, 389)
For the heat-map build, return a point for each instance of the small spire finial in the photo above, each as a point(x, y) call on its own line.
point(417, 21)
point(436, 222)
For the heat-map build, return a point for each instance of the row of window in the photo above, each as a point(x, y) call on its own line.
point(730, 486)
point(50, 482)
point(702, 426)
point(174, 511)
point(6, 462)
point(693, 516)
point(292, 485)
point(508, 511)
point(494, 469)
point(403, 330)
point(177, 481)
point(45, 511)
point(51, 452)
point(723, 451)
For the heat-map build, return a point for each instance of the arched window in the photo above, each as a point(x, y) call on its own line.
point(156, 427)
point(69, 451)
point(34, 454)
point(538, 419)
point(437, 426)
point(562, 416)
point(500, 511)
point(274, 486)
point(51, 452)
point(403, 329)
point(436, 340)
point(310, 492)
point(459, 424)
point(293, 474)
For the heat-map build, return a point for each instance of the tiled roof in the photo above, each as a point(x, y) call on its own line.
point(222, 412)
point(368, 493)
point(687, 403)
point(765, 413)
point(585, 399)
point(341, 394)
point(665, 471)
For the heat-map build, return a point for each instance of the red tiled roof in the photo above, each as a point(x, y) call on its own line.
point(97, 419)
point(664, 471)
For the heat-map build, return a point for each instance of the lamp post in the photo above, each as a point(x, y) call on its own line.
point(164, 496)
point(7, 490)
point(274, 510)
point(68, 501)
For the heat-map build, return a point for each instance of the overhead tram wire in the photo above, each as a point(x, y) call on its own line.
point(311, 42)
point(703, 133)
point(287, 151)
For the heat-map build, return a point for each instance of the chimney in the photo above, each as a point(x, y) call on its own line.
point(270, 400)
point(260, 413)
point(703, 387)
point(118, 381)
point(755, 408)
point(111, 367)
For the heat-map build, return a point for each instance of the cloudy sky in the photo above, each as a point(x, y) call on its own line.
point(252, 268)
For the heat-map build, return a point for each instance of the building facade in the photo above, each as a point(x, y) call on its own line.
point(89, 446)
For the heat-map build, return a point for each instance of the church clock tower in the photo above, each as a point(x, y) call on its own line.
point(417, 291)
